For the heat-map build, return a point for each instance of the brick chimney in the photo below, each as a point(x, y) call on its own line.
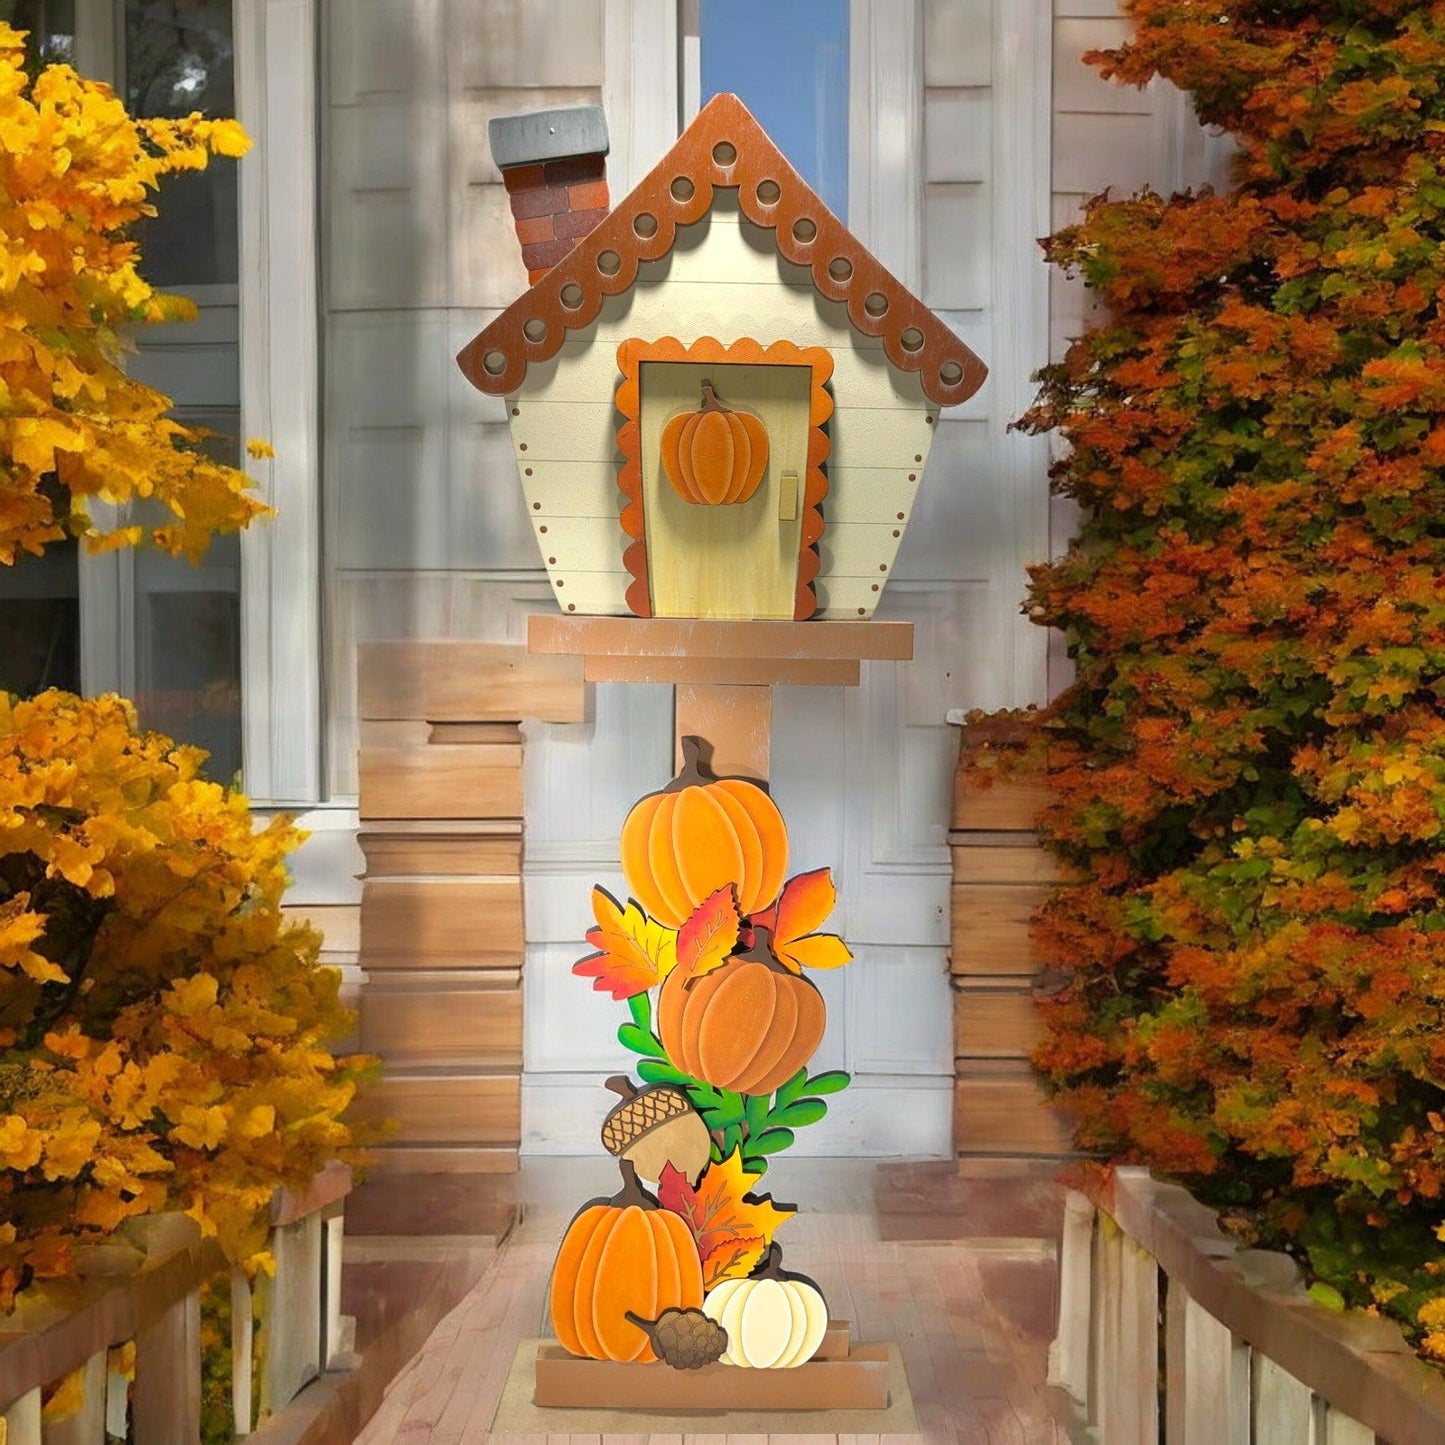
point(554, 163)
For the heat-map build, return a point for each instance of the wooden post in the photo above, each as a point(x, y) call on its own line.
point(737, 721)
point(1283, 1408)
point(241, 1341)
point(168, 1376)
point(1069, 1353)
point(291, 1312)
point(87, 1425)
point(1341, 1429)
point(1214, 1388)
point(22, 1419)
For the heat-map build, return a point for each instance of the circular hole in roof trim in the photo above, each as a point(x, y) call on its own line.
point(682, 189)
point(609, 263)
point(494, 363)
point(804, 230)
point(950, 373)
point(534, 329)
point(725, 153)
point(768, 192)
point(876, 303)
point(571, 296)
point(840, 268)
point(645, 225)
point(912, 339)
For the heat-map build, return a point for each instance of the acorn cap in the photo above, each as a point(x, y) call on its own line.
point(640, 1112)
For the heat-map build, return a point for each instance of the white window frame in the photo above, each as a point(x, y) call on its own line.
point(276, 101)
point(275, 67)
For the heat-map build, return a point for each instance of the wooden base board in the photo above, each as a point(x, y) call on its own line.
point(859, 1382)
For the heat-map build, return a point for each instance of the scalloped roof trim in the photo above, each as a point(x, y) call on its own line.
point(724, 148)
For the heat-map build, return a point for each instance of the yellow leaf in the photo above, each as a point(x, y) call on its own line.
point(634, 953)
point(67, 1399)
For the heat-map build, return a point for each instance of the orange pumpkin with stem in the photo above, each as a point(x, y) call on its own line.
point(699, 834)
point(714, 456)
point(748, 1025)
point(620, 1256)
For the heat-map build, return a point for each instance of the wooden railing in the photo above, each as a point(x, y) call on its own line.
point(143, 1287)
point(1247, 1357)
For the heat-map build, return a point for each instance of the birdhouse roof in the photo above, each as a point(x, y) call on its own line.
point(723, 148)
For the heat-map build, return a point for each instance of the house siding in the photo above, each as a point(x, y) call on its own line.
point(427, 534)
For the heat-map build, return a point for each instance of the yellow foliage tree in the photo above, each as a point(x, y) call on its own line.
point(78, 173)
point(163, 1030)
point(162, 1027)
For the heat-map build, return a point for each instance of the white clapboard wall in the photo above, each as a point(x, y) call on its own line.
point(956, 161)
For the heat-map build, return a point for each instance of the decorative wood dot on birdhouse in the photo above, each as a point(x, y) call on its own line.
point(773, 493)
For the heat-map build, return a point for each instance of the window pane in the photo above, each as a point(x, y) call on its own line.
point(179, 59)
point(40, 621)
point(188, 628)
point(788, 62)
point(51, 27)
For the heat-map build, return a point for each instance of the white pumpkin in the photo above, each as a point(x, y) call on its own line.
point(774, 1321)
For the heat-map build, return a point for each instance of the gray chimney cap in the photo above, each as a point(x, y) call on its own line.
point(548, 135)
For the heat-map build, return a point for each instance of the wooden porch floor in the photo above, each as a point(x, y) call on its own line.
point(957, 1267)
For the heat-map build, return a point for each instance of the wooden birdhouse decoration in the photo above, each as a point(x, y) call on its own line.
point(721, 405)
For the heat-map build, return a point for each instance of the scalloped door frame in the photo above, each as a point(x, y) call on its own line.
point(646, 558)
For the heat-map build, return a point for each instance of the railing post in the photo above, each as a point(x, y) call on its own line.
point(168, 1376)
point(87, 1425)
point(22, 1419)
point(1108, 1284)
point(1137, 1367)
point(1283, 1407)
point(1341, 1429)
point(291, 1312)
point(333, 1244)
point(1069, 1353)
point(1208, 1379)
point(242, 1333)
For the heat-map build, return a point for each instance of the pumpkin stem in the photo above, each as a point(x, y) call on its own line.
point(709, 399)
point(691, 775)
point(631, 1192)
point(621, 1085)
point(772, 1267)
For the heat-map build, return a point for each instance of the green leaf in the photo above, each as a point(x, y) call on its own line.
point(755, 1166)
point(1327, 1295)
point(799, 1115)
point(659, 1071)
point(641, 1006)
point(833, 1082)
point(756, 1113)
point(771, 1141)
point(794, 1088)
point(727, 1114)
point(640, 1041)
point(732, 1138)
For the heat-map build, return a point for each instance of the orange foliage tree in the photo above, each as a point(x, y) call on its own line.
point(1250, 767)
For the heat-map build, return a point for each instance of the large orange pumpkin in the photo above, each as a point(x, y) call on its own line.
point(748, 1026)
point(699, 834)
point(714, 455)
point(620, 1255)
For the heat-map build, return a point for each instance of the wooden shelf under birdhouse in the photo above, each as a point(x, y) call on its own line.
point(724, 671)
point(841, 1376)
point(690, 651)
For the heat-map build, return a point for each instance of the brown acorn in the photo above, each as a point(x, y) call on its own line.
point(656, 1127)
